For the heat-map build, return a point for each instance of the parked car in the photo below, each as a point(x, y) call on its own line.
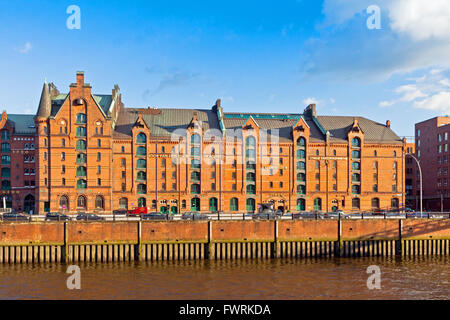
point(120, 212)
point(304, 215)
point(265, 216)
point(418, 215)
point(57, 216)
point(89, 217)
point(137, 212)
point(157, 216)
point(14, 216)
point(194, 216)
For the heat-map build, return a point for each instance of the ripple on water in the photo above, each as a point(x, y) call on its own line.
point(401, 278)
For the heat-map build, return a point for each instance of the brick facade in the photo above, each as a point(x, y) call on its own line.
point(94, 154)
point(432, 142)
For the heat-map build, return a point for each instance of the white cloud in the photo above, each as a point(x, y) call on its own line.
point(430, 92)
point(415, 35)
point(26, 48)
point(420, 19)
point(311, 100)
point(438, 102)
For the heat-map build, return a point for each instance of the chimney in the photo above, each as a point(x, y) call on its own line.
point(388, 123)
point(80, 78)
point(218, 103)
point(310, 111)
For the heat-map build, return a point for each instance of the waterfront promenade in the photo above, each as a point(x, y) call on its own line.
point(196, 240)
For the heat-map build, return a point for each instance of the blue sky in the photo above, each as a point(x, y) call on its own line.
point(257, 56)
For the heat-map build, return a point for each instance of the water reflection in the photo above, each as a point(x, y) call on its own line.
point(401, 278)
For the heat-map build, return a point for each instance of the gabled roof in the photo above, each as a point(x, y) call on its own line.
point(270, 122)
point(23, 123)
point(339, 127)
point(163, 122)
point(104, 101)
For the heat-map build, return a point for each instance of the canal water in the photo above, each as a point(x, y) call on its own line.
point(292, 279)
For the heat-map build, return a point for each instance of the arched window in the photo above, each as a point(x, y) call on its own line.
point(395, 153)
point(301, 189)
point(394, 165)
point(81, 158)
point(81, 145)
point(142, 202)
point(301, 165)
point(356, 154)
point(356, 166)
point(356, 143)
point(81, 132)
point(5, 135)
point(394, 203)
point(64, 202)
point(195, 139)
point(301, 142)
point(250, 142)
point(195, 176)
point(318, 204)
point(250, 205)
point(141, 188)
point(6, 185)
point(301, 205)
point(250, 153)
point(356, 189)
point(195, 189)
point(141, 164)
point(301, 154)
point(141, 138)
point(141, 151)
point(356, 203)
point(356, 177)
point(81, 202)
point(81, 172)
point(141, 175)
point(251, 176)
point(301, 177)
point(375, 203)
point(28, 203)
point(81, 118)
point(375, 153)
point(81, 184)
point(195, 164)
point(6, 147)
point(251, 189)
point(99, 202)
point(195, 204)
point(213, 204)
point(123, 203)
point(6, 160)
point(234, 204)
point(6, 173)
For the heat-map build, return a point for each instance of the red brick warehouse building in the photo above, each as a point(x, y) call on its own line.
point(432, 142)
point(94, 154)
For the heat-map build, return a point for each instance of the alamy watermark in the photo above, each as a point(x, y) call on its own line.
point(374, 20)
point(374, 280)
point(74, 280)
point(74, 20)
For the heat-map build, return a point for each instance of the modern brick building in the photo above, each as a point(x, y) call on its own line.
point(90, 153)
point(432, 143)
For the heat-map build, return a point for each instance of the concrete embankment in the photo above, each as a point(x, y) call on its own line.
point(151, 241)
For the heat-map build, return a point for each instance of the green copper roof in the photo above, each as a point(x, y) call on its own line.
point(261, 116)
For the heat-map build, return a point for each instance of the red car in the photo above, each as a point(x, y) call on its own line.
point(137, 212)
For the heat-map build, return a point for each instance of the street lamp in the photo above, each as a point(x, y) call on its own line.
point(420, 175)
